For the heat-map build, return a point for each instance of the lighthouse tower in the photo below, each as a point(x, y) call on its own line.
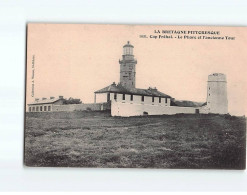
point(128, 67)
point(217, 94)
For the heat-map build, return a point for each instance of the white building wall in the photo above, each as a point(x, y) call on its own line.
point(137, 99)
point(68, 107)
point(100, 98)
point(156, 101)
point(128, 109)
point(148, 100)
point(127, 98)
point(165, 101)
point(119, 97)
point(78, 107)
point(204, 109)
point(168, 101)
point(37, 108)
point(111, 96)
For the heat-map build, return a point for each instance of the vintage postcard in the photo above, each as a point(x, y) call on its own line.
point(136, 96)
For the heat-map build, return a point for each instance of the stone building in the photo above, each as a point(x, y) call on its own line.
point(60, 105)
point(44, 104)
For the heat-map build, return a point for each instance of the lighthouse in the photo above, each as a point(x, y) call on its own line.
point(128, 67)
point(217, 101)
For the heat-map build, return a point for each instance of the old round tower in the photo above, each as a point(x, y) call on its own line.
point(128, 67)
point(217, 94)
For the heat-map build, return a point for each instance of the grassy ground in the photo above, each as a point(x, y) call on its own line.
point(94, 139)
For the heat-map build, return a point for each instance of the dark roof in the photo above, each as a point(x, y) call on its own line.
point(46, 101)
point(134, 91)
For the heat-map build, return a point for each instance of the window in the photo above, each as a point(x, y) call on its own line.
point(115, 96)
point(30, 109)
point(44, 108)
point(33, 109)
point(209, 94)
point(152, 99)
point(209, 88)
point(131, 97)
point(159, 99)
point(37, 108)
point(40, 108)
point(49, 108)
point(143, 98)
point(166, 100)
point(108, 97)
point(123, 96)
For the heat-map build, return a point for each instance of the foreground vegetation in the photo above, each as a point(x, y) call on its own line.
point(94, 139)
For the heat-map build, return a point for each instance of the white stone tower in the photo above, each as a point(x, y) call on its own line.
point(217, 94)
point(128, 67)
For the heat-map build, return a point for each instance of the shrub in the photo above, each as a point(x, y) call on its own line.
point(72, 101)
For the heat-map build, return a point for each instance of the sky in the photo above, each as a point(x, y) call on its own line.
point(74, 60)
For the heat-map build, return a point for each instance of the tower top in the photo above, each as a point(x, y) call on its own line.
point(217, 77)
point(128, 45)
point(128, 49)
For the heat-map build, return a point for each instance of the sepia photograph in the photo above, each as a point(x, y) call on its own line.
point(135, 96)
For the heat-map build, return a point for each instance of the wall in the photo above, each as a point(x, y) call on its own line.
point(138, 100)
point(71, 107)
point(37, 107)
point(132, 109)
point(204, 109)
point(74, 107)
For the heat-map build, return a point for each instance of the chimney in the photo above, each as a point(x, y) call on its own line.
point(60, 97)
point(114, 83)
point(43, 98)
point(36, 99)
point(52, 97)
point(152, 89)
